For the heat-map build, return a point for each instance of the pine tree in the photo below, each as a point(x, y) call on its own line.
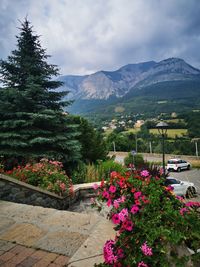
point(32, 121)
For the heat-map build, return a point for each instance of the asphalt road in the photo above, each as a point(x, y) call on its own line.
point(192, 175)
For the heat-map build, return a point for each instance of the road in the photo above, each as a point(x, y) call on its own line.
point(193, 176)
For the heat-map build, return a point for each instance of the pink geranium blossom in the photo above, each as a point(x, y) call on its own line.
point(192, 204)
point(183, 210)
point(180, 198)
point(112, 189)
point(137, 202)
point(137, 194)
point(147, 251)
point(116, 203)
point(109, 202)
point(115, 219)
point(122, 199)
point(109, 256)
point(134, 209)
point(123, 214)
point(63, 186)
point(169, 188)
point(127, 225)
point(113, 174)
point(105, 194)
point(144, 173)
point(142, 264)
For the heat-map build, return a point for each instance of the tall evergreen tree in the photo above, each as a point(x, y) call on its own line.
point(32, 120)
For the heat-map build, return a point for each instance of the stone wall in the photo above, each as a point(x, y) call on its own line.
point(19, 192)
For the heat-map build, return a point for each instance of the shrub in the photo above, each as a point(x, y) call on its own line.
point(106, 167)
point(46, 174)
point(153, 225)
point(78, 175)
point(137, 160)
point(95, 172)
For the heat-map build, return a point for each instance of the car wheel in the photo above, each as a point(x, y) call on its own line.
point(189, 192)
point(179, 170)
point(188, 167)
point(193, 191)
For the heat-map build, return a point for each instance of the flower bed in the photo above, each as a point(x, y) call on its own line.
point(46, 174)
point(151, 223)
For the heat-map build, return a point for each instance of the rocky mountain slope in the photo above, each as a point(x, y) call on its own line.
point(132, 77)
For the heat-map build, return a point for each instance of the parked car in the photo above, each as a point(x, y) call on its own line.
point(178, 165)
point(181, 188)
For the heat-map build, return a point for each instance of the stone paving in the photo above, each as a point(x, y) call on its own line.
point(36, 236)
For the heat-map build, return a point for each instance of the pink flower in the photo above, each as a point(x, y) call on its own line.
point(121, 183)
point(123, 198)
point(183, 210)
point(112, 189)
point(102, 183)
point(144, 173)
point(109, 202)
point(95, 186)
point(63, 186)
point(180, 198)
point(123, 214)
point(115, 219)
point(109, 256)
point(142, 264)
point(134, 209)
point(137, 194)
point(147, 251)
point(118, 201)
point(192, 204)
point(137, 202)
point(127, 225)
point(105, 194)
point(169, 188)
point(116, 204)
point(113, 174)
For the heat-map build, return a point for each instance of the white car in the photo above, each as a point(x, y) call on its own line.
point(178, 165)
point(181, 188)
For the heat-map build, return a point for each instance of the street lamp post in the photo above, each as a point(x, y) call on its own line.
point(162, 129)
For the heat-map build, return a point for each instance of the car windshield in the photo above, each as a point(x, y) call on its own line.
point(172, 181)
point(172, 162)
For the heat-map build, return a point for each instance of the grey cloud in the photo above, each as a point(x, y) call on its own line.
point(86, 36)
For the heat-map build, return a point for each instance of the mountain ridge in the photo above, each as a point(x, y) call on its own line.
point(102, 85)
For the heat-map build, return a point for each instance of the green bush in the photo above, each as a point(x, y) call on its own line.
point(106, 167)
point(137, 160)
point(78, 176)
point(95, 172)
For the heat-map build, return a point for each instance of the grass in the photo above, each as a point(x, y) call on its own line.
point(195, 163)
point(172, 132)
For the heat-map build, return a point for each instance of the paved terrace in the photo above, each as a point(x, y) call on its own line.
point(40, 237)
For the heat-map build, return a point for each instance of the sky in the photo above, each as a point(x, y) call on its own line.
point(85, 36)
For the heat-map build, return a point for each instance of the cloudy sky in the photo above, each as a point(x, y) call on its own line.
point(84, 36)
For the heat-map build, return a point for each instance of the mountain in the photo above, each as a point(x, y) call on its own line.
point(165, 86)
point(104, 84)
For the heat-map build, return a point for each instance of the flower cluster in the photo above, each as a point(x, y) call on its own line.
point(147, 217)
point(46, 174)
